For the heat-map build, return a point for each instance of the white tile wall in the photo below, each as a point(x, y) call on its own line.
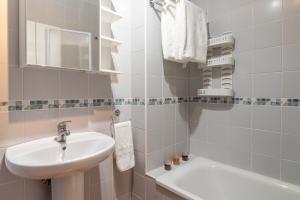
point(267, 65)
point(39, 84)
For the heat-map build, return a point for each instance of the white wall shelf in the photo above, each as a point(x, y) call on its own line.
point(104, 71)
point(109, 16)
point(221, 61)
point(220, 55)
point(108, 71)
point(215, 92)
point(226, 40)
point(109, 42)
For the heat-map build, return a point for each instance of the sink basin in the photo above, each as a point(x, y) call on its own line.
point(44, 158)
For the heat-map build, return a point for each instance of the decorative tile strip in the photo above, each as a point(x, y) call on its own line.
point(85, 103)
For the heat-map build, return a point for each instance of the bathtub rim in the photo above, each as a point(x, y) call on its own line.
point(162, 177)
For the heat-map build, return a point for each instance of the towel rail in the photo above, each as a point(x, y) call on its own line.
point(156, 2)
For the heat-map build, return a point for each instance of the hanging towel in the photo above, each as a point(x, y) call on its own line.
point(124, 152)
point(168, 30)
point(195, 37)
point(184, 32)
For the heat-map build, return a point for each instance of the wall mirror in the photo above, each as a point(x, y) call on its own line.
point(60, 33)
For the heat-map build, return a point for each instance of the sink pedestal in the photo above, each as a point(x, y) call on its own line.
point(68, 188)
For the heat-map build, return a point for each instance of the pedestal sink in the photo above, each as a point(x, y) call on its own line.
point(45, 159)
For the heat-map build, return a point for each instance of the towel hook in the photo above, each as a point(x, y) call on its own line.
point(117, 112)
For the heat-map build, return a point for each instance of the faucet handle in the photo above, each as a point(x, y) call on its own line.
point(63, 124)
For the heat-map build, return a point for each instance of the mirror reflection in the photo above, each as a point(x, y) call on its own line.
point(62, 33)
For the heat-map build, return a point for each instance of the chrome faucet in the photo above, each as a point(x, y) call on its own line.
point(62, 132)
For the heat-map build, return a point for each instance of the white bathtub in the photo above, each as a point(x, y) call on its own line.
point(203, 179)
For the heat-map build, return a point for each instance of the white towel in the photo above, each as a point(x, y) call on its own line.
point(184, 32)
point(196, 36)
point(124, 151)
point(168, 30)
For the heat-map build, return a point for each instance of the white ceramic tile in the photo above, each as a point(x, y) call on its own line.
point(291, 147)
point(155, 117)
point(169, 86)
point(138, 62)
point(35, 190)
point(73, 84)
point(154, 160)
point(292, 29)
point(217, 133)
point(9, 48)
point(181, 122)
point(291, 7)
point(267, 118)
point(139, 162)
point(13, 190)
point(138, 86)
point(240, 116)
point(100, 119)
point(290, 172)
point(194, 85)
point(137, 15)
point(99, 86)
point(266, 143)
point(139, 185)
point(243, 40)
point(181, 87)
point(241, 17)
point(290, 82)
point(267, 10)
point(239, 139)
point(268, 35)
point(196, 112)
point(267, 60)
point(139, 139)
point(291, 58)
point(40, 123)
point(12, 128)
point(154, 61)
point(40, 84)
point(198, 130)
point(267, 85)
point(138, 39)
point(121, 86)
point(217, 113)
point(266, 166)
point(138, 116)
point(219, 26)
point(168, 127)
point(242, 85)
point(198, 148)
point(15, 83)
point(155, 140)
point(290, 123)
point(239, 159)
point(154, 86)
point(243, 63)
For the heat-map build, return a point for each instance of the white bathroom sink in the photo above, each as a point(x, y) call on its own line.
point(44, 158)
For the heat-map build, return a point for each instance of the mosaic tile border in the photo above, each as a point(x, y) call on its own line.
point(85, 103)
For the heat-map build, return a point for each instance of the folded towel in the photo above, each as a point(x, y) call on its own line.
point(184, 32)
point(124, 152)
